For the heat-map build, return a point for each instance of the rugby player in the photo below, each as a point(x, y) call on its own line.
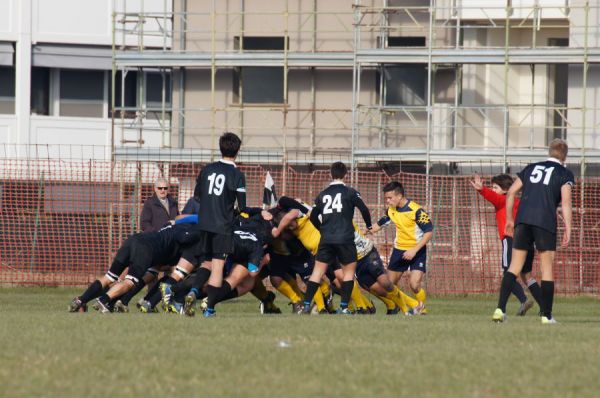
point(413, 230)
point(140, 252)
point(497, 197)
point(545, 185)
point(335, 206)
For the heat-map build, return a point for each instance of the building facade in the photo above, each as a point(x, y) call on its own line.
point(303, 80)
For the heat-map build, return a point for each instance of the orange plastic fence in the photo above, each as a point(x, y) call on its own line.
point(62, 221)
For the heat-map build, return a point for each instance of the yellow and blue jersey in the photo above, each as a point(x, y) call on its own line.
point(308, 234)
point(411, 221)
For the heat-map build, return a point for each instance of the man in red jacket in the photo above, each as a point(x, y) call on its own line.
point(497, 197)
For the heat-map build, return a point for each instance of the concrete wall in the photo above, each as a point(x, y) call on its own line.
point(578, 123)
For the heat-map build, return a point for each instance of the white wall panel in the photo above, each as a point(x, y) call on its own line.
point(8, 18)
point(90, 21)
point(7, 129)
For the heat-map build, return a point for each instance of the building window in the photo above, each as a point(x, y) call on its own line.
point(153, 93)
point(7, 90)
point(129, 92)
point(154, 90)
point(406, 41)
point(260, 43)
point(40, 91)
point(558, 94)
point(261, 85)
point(258, 84)
point(81, 93)
point(404, 85)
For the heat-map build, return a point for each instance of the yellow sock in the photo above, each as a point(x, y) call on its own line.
point(325, 288)
point(411, 302)
point(294, 284)
point(397, 298)
point(319, 302)
point(389, 304)
point(421, 296)
point(286, 289)
point(358, 298)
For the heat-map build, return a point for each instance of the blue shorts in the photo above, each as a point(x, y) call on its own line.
point(418, 263)
point(369, 268)
point(292, 265)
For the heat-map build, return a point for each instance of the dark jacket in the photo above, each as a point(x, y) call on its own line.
point(154, 215)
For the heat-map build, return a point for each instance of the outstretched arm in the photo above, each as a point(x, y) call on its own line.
point(510, 202)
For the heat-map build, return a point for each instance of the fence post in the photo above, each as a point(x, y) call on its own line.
point(37, 221)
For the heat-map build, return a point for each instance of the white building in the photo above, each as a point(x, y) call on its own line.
point(56, 59)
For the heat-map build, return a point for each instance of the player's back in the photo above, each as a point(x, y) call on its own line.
point(259, 227)
point(541, 193)
point(336, 205)
point(167, 242)
point(218, 187)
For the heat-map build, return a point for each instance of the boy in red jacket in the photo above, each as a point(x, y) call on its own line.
point(497, 197)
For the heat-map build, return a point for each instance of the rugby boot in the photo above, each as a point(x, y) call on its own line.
point(100, 306)
point(120, 307)
point(526, 306)
point(77, 306)
point(188, 306)
point(499, 316)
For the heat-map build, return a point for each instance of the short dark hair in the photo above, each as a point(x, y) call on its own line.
point(229, 144)
point(504, 181)
point(338, 170)
point(394, 186)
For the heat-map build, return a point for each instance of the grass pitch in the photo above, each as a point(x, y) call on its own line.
point(455, 351)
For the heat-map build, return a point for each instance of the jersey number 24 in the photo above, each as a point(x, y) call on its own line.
point(332, 204)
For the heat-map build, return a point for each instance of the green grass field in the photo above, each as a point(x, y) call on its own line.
point(455, 351)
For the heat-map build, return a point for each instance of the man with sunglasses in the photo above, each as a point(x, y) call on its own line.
point(158, 209)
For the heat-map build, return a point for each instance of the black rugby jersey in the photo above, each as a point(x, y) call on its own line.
point(258, 226)
point(336, 206)
point(218, 187)
point(541, 194)
point(167, 243)
point(249, 239)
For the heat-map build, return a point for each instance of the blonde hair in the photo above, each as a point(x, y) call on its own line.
point(558, 149)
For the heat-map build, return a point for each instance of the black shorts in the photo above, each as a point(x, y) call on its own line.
point(330, 252)
point(526, 235)
point(507, 244)
point(141, 257)
point(291, 265)
point(121, 260)
point(369, 268)
point(399, 264)
point(209, 246)
point(246, 251)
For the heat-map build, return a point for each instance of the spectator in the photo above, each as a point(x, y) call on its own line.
point(158, 209)
point(191, 207)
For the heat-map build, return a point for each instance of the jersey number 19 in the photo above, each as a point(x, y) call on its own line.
point(217, 183)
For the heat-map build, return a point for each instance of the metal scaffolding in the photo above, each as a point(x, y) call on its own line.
point(506, 130)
